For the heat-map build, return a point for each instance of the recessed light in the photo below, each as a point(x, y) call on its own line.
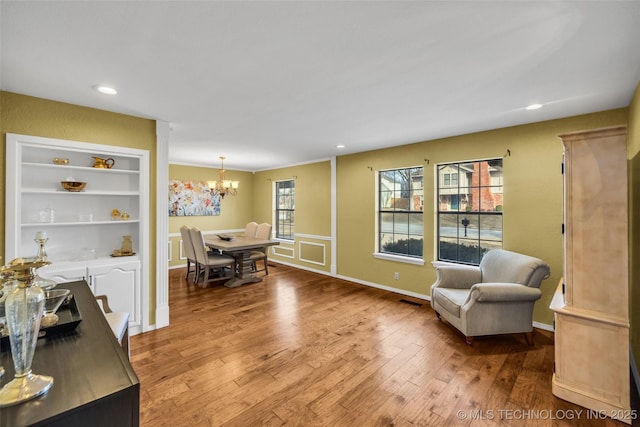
point(533, 107)
point(105, 89)
point(340, 146)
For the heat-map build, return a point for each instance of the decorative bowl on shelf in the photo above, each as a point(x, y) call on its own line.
point(73, 186)
point(60, 161)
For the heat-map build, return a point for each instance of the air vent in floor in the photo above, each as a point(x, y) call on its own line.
point(406, 301)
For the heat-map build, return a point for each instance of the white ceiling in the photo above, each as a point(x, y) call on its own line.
point(275, 83)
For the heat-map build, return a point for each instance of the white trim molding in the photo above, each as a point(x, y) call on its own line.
point(324, 252)
point(313, 236)
point(162, 225)
point(398, 258)
point(277, 250)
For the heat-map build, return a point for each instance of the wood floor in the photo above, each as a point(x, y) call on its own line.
point(304, 349)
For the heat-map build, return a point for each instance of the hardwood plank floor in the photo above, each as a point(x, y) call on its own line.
point(305, 349)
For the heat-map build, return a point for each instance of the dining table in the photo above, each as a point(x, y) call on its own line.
point(240, 248)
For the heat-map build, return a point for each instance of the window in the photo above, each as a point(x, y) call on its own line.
point(400, 202)
point(469, 211)
point(285, 206)
point(450, 179)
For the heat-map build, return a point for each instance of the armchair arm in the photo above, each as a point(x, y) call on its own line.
point(457, 276)
point(494, 292)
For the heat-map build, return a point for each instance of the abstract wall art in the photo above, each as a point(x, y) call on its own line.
point(192, 198)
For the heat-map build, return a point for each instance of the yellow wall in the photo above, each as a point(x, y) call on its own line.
point(235, 211)
point(312, 247)
point(255, 202)
point(532, 199)
point(633, 146)
point(40, 117)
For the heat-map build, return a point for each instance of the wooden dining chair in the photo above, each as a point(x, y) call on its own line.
point(210, 262)
point(190, 253)
point(262, 233)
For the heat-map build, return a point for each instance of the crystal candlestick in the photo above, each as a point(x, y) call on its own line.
point(24, 307)
point(41, 239)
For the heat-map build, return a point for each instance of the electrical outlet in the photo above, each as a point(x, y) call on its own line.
point(396, 275)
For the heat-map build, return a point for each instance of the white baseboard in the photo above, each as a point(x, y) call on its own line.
point(361, 282)
point(543, 326)
point(162, 317)
point(386, 288)
point(301, 267)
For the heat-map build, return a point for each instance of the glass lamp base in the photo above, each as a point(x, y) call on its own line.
point(21, 389)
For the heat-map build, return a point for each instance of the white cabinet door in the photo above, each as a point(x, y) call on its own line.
point(121, 284)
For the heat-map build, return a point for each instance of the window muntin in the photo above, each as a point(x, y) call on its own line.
point(400, 217)
point(470, 212)
point(285, 209)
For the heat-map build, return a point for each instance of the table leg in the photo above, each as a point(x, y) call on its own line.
point(244, 271)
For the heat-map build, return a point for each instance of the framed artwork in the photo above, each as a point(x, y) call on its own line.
point(192, 198)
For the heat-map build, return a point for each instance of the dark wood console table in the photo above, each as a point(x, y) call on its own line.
point(94, 383)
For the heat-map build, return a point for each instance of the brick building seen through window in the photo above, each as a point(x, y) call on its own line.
point(470, 204)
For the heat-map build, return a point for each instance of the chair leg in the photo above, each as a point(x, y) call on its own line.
point(438, 316)
point(197, 274)
point(266, 269)
point(188, 269)
point(205, 283)
point(468, 340)
point(528, 336)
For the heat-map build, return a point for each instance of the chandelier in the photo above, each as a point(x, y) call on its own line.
point(223, 186)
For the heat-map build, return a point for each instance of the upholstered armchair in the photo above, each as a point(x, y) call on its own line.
point(496, 297)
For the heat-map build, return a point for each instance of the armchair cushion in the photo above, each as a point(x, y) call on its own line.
point(452, 299)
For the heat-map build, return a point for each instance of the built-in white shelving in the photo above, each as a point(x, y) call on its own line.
point(81, 230)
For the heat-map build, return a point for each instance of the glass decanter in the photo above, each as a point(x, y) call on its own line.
point(24, 306)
